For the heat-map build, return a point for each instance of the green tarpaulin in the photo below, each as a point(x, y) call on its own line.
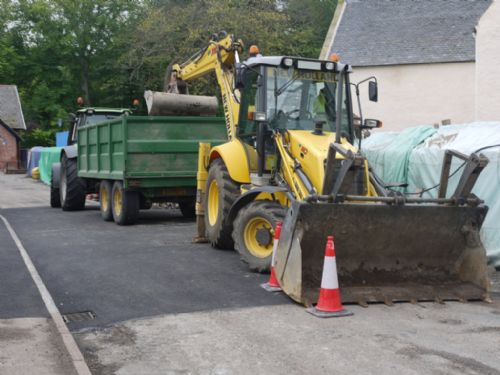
point(415, 157)
point(390, 154)
point(49, 155)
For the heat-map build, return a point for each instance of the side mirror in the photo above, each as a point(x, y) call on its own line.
point(371, 123)
point(72, 118)
point(239, 81)
point(373, 91)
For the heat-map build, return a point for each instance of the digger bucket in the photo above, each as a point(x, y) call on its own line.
point(385, 252)
point(164, 104)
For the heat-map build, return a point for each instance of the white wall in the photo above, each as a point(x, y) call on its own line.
point(419, 94)
point(488, 64)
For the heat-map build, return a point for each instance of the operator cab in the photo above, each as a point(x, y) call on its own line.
point(294, 94)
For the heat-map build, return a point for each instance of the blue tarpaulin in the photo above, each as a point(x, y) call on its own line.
point(33, 159)
point(61, 139)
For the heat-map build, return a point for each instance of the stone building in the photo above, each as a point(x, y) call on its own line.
point(434, 60)
point(9, 148)
point(11, 122)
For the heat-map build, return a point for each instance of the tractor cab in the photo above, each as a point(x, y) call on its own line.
point(91, 115)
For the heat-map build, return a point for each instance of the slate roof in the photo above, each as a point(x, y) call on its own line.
point(393, 32)
point(10, 107)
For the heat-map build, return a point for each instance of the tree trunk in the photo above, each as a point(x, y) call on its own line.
point(85, 81)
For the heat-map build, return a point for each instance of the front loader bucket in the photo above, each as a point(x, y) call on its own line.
point(385, 253)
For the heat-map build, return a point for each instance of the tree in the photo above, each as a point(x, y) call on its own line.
point(293, 27)
point(110, 51)
point(163, 37)
point(56, 50)
point(309, 21)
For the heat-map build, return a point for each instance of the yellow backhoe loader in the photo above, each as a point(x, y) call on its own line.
point(290, 156)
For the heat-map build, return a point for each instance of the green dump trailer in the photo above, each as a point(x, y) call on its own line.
point(134, 161)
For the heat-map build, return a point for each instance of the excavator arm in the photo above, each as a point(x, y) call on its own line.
point(219, 57)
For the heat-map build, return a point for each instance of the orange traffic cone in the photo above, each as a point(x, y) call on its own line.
point(329, 303)
point(272, 285)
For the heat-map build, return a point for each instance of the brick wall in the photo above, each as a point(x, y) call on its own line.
point(8, 150)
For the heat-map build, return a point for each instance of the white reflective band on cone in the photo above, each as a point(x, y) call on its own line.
point(275, 246)
point(329, 279)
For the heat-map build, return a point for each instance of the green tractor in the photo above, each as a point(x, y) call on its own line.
point(66, 189)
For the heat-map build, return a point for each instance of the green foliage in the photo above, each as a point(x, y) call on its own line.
point(293, 27)
point(309, 23)
point(110, 51)
point(39, 137)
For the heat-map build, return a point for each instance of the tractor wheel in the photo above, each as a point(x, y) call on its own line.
point(55, 195)
point(253, 233)
point(188, 208)
point(72, 188)
point(125, 204)
point(221, 191)
point(105, 188)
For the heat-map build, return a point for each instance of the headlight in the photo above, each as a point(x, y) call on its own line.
point(329, 65)
point(288, 62)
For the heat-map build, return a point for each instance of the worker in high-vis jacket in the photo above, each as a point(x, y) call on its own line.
point(319, 106)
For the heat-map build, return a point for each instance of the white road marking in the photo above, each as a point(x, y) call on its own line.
point(69, 342)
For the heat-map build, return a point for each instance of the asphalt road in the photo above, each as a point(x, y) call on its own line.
point(163, 305)
point(18, 293)
point(122, 273)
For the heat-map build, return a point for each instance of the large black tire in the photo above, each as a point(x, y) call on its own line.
point(55, 195)
point(72, 188)
point(226, 190)
point(253, 232)
point(125, 204)
point(105, 191)
point(188, 208)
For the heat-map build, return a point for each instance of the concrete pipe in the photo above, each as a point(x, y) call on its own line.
point(163, 104)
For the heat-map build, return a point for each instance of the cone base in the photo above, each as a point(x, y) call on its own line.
point(328, 314)
point(270, 288)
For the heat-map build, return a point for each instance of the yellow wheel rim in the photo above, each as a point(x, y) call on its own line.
point(252, 228)
point(104, 199)
point(117, 202)
point(213, 202)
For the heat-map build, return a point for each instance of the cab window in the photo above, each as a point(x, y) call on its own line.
point(249, 99)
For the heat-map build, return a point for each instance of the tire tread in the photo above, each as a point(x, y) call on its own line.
point(275, 211)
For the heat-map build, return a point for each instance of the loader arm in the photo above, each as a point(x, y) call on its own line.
point(219, 57)
point(288, 171)
point(306, 183)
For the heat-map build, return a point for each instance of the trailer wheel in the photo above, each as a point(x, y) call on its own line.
point(253, 233)
point(125, 204)
point(144, 203)
point(72, 188)
point(55, 194)
point(105, 189)
point(188, 209)
point(221, 192)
